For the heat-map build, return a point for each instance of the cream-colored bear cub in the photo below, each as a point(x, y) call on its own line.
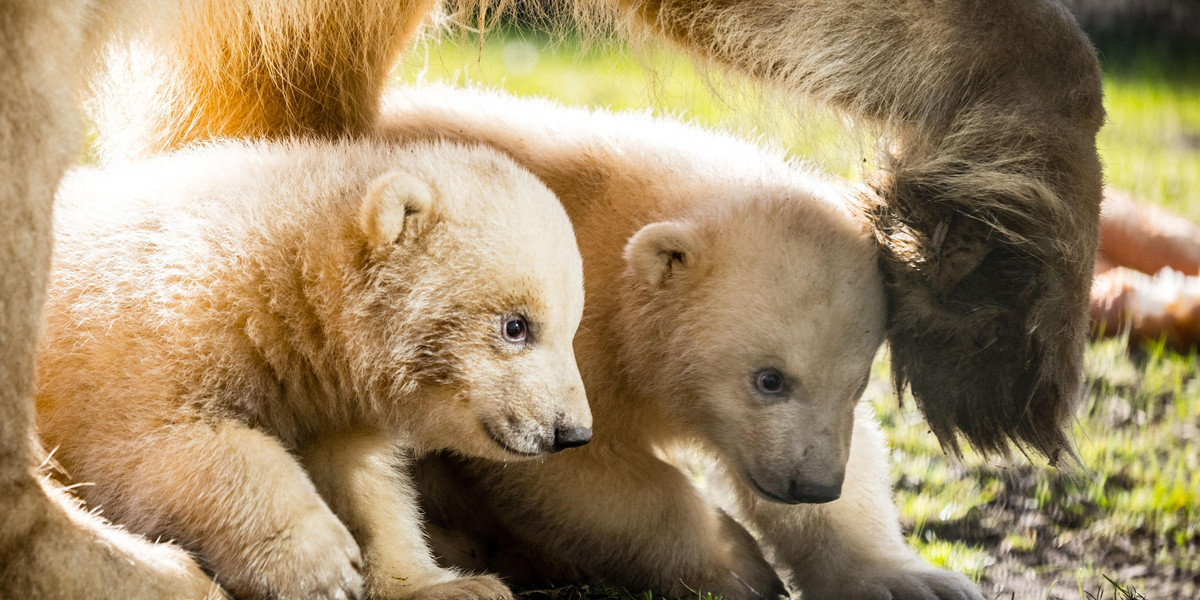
point(735, 307)
point(243, 340)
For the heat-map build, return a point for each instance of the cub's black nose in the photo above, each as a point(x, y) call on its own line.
point(570, 437)
point(808, 493)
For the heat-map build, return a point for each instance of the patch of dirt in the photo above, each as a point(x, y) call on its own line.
point(1061, 546)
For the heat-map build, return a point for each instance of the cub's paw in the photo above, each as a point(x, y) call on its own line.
point(315, 558)
point(749, 575)
point(478, 587)
point(919, 583)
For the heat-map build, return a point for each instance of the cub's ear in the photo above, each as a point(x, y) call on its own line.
point(662, 251)
point(396, 203)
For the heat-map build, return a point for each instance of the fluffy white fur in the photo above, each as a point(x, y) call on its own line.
point(987, 197)
point(214, 312)
point(989, 111)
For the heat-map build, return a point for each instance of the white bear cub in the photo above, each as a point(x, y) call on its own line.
point(246, 343)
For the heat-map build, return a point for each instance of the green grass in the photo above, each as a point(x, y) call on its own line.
point(1128, 517)
point(530, 64)
point(1151, 144)
point(1130, 509)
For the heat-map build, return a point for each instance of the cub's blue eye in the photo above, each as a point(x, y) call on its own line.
point(515, 329)
point(769, 381)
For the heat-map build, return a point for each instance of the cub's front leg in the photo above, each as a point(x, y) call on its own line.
point(617, 516)
point(852, 548)
point(365, 478)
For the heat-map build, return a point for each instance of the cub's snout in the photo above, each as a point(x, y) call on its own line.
point(571, 437)
point(805, 492)
point(799, 488)
point(532, 438)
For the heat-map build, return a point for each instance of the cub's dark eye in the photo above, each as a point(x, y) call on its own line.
point(515, 329)
point(769, 381)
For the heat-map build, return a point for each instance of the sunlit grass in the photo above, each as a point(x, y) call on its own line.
point(1151, 143)
point(599, 75)
point(1138, 481)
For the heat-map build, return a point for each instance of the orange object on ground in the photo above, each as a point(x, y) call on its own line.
point(1164, 305)
point(1145, 237)
point(1135, 240)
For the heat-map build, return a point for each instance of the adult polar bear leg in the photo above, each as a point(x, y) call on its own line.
point(238, 498)
point(50, 547)
point(65, 552)
point(364, 477)
point(37, 124)
point(990, 183)
point(850, 548)
point(242, 68)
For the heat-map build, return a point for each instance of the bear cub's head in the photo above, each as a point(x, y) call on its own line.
point(763, 315)
point(472, 288)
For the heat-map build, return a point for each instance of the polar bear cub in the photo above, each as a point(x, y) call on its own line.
point(245, 344)
point(735, 307)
